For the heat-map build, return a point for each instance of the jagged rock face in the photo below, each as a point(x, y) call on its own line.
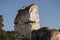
point(34, 17)
point(26, 20)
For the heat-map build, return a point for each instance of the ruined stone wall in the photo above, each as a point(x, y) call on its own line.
point(26, 20)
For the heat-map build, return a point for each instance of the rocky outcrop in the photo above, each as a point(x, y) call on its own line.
point(55, 35)
point(26, 21)
point(45, 34)
point(27, 26)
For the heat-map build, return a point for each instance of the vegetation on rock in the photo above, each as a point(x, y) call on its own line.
point(41, 34)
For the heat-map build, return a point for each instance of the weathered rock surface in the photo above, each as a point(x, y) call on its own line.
point(27, 26)
point(45, 34)
point(26, 20)
point(55, 35)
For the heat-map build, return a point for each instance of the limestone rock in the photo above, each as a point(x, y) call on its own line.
point(55, 35)
point(26, 20)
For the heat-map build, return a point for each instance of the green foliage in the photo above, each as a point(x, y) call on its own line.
point(3, 35)
point(1, 18)
point(1, 21)
point(11, 34)
point(44, 34)
point(41, 34)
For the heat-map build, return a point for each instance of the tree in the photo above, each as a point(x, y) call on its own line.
point(11, 35)
point(1, 21)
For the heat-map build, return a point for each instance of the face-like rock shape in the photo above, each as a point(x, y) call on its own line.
point(27, 20)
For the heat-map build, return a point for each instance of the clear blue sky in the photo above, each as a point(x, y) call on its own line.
point(49, 12)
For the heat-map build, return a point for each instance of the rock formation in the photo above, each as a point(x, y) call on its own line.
point(55, 35)
point(45, 34)
point(27, 26)
point(26, 21)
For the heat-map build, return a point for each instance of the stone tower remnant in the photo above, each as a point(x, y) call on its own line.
point(26, 21)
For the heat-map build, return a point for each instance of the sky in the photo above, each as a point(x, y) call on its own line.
point(49, 12)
